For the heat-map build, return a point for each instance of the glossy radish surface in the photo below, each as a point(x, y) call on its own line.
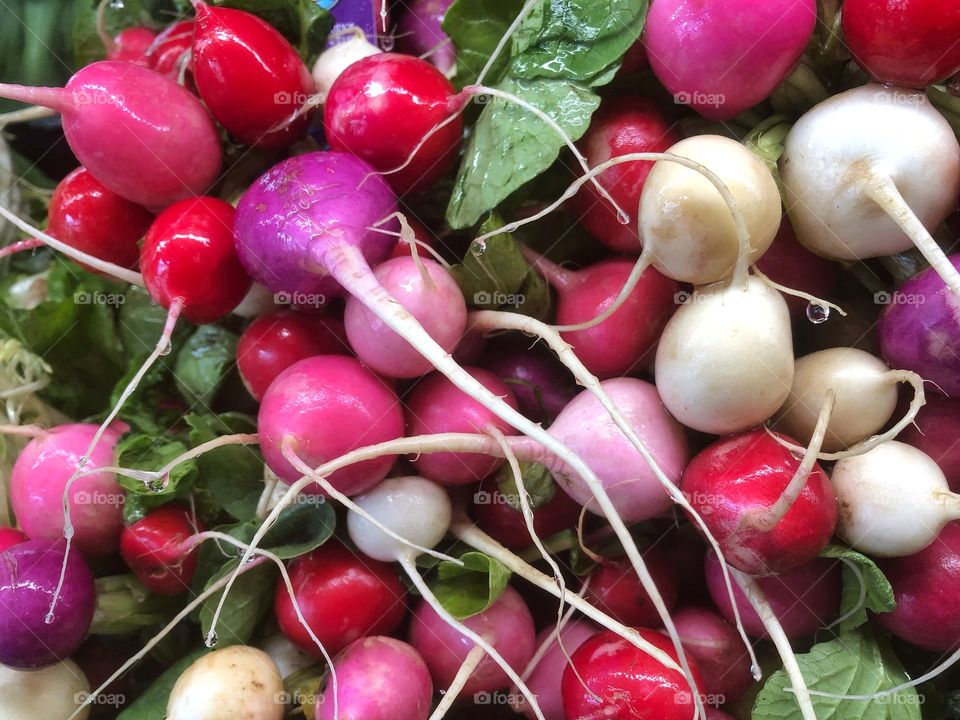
point(169, 48)
point(718, 651)
point(275, 341)
point(153, 547)
point(189, 256)
point(86, 215)
point(9, 537)
point(343, 596)
point(383, 106)
point(615, 588)
point(131, 44)
point(249, 76)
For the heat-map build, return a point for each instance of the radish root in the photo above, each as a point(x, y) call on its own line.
point(474, 657)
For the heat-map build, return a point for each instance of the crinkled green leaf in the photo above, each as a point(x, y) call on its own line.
point(229, 478)
point(148, 452)
point(475, 27)
point(471, 589)
point(865, 587)
point(152, 703)
point(125, 605)
point(203, 363)
point(537, 481)
point(249, 599)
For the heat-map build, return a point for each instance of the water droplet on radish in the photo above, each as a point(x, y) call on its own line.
point(478, 247)
point(817, 314)
point(212, 639)
point(622, 217)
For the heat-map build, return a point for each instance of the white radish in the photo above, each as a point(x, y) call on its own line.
point(50, 693)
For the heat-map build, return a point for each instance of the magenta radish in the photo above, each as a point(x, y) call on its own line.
point(116, 114)
point(919, 329)
point(131, 45)
point(47, 693)
point(323, 407)
point(338, 57)
point(28, 576)
point(624, 124)
point(9, 537)
point(421, 33)
point(935, 432)
point(872, 199)
point(803, 600)
point(437, 406)
point(722, 57)
point(378, 678)
point(430, 294)
point(38, 483)
point(716, 649)
point(250, 77)
point(614, 588)
point(736, 481)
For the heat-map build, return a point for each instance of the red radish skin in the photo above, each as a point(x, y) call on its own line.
point(635, 60)
point(624, 124)
point(926, 587)
point(436, 405)
point(718, 651)
point(422, 233)
point(326, 406)
point(118, 116)
point(544, 678)
point(343, 597)
point(803, 600)
point(505, 524)
point(10, 537)
point(249, 76)
point(911, 43)
point(621, 682)
point(168, 49)
point(189, 256)
point(745, 474)
point(86, 215)
point(275, 341)
point(383, 106)
point(131, 45)
point(935, 431)
point(615, 589)
point(40, 474)
point(153, 547)
point(506, 625)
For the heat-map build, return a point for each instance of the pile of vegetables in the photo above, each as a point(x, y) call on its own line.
point(570, 359)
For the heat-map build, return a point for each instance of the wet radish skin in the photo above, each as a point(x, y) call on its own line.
point(718, 651)
point(615, 589)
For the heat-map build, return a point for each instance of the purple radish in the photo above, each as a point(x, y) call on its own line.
point(28, 577)
point(935, 431)
point(716, 648)
point(139, 133)
point(722, 57)
point(421, 34)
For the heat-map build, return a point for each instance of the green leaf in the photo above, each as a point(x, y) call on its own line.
point(471, 589)
point(203, 363)
point(152, 703)
point(149, 452)
point(861, 576)
point(87, 46)
point(537, 481)
point(854, 664)
point(229, 478)
point(249, 599)
point(303, 22)
point(125, 605)
point(475, 27)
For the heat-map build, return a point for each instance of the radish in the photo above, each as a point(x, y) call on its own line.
point(624, 124)
point(275, 341)
point(425, 290)
point(237, 681)
point(114, 112)
point(152, 548)
point(871, 201)
point(420, 33)
point(9, 537)
point(47, 694)
point(737, 485)
point(29, 638)
point(338, 57)
point(910, 43)
point(39, 482)
point(722, 57)
point(934, 432)
point(925, 586)
point(437, 406)
point(322, 407)
point(250, 77)
point(614, 588)
point(131, 45)
point(505, 524)
point(919, 331)
point(169, 49)
point(86, 215)
point(379, 678)
point(288, 658)
point(717, 651)
point(608, 677)
point(885, 515)
point(342, 597)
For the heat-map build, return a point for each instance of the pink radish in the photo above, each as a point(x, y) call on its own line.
point(718, 652)
point(935, 432)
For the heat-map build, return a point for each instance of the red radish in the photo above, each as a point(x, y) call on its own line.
point(912, 43)
point(926, 586)
point(168, 49)
point(342, 596)
point(153, 547)
point(131, 45)
point(504, 522)
point(717, 650)
point(421, 34)
point(188, 257)
point(624, 124)
point(610, 678)
point(321, 408)
point(86, 215)
point(615, 589)
point(636, 59)
point(437, 406)
point(116, 114)
point(382, 107)
point(9, 537)
point(935, 432)
point(803, 600)
point(722, 57)
point(275, 341)
point(39, 480)
point(733, 482)
point(250, 77)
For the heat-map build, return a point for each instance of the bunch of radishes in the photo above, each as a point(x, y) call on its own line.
point(696, 451)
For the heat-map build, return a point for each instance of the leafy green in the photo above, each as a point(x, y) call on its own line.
point(152, 704)
point(471, 589)
point(537, 481)
point(249, 599)
point(87, 45)
point(475, 27)
point(229, 478)
point(854, 664)
point(204, 361)
point(34, 46)
point(141, 451)
point(125, 605)
point(861, 577)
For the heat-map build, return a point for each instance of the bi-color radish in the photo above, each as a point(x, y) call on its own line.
point(49, 693)
point(338, 57)
point(153, 548)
